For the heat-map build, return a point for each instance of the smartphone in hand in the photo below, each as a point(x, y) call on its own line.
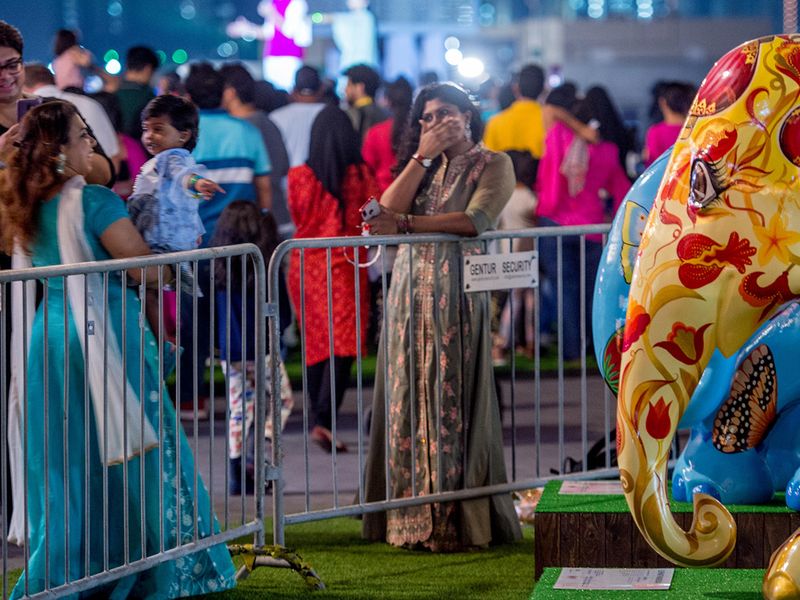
point(24, 105)
point(370, 209)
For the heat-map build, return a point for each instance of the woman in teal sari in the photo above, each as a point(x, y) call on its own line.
point(91, 459)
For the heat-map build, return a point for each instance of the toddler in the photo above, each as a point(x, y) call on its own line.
point(164, 202)
point(242, 222)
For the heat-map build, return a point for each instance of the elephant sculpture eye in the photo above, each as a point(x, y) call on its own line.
point(704, 186)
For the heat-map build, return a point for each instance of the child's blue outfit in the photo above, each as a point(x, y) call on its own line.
point(163, 208)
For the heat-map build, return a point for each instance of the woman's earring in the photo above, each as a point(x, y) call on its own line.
point(468, 132)
point(61, 163)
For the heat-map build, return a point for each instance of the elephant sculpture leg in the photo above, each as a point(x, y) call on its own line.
point(718, 258)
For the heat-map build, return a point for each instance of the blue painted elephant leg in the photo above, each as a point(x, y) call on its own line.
point(793, 492)
point(783, 454)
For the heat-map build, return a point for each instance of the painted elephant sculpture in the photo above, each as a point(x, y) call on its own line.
point(768, 460)
point(718, 258)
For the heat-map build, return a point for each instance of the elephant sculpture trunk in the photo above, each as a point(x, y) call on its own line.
point(657, 381)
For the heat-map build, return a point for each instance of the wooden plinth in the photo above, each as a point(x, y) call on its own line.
point(606, 536)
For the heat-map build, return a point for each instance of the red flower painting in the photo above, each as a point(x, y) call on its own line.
point(658, 423)
point(685, 343)
point(703, 258)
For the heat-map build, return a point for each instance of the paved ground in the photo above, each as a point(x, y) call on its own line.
point(312, 487)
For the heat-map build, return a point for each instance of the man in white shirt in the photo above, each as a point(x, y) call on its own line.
point(295, 119)
point(40, 81)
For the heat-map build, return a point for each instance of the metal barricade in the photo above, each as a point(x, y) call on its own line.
point(552, 421)
point(155, 445)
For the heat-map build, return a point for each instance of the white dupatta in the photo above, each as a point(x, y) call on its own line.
point(105, 377)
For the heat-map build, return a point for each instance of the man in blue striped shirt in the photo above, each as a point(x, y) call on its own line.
point(233, 152)
point(231, 149)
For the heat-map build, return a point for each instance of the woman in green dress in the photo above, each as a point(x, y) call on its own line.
point(450, 438)
point(87, 379)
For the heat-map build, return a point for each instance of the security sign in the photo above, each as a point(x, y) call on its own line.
point(486, 272)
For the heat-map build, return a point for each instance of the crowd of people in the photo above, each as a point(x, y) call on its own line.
point(218, 158)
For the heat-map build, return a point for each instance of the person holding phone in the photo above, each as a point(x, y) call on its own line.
point(444, 430)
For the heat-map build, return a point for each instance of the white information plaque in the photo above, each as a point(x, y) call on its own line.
point(614, 579)
point(487, 272)
point(586, 488)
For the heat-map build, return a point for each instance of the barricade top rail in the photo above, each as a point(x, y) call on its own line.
point(119, 264)
point(423, 238)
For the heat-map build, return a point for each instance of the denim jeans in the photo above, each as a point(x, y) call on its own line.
point(571, 296)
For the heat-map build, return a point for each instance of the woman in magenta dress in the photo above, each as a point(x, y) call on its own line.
point(673, 102)
point(573, 182)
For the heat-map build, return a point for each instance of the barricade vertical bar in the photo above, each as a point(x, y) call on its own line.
point(160, 342)
point(5, 306)
point(306, 398)
point(24, 400)
point(125, 474)
point(582, 304)
point(46, 470)
point(65, 422)
point(560, 296)
point(278, 516)
point(537, 364)
point(196, 433)
point(412, 382)
point(384, 340)
point(437, 341)
point(512, 342)
point(332, 370)
point(258, 431)
point(106, 549)
point(465, 416)
point(142, 401)
point(227, 387)
point(177, 424)
point(242, 350)
point(86, 439)
point(359, 392)
point(212, 399)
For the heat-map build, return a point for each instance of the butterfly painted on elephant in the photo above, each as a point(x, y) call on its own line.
point(632, 231)
point(744, 420)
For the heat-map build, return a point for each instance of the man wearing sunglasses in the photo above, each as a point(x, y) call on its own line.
point(12, 72)
point(12, 77)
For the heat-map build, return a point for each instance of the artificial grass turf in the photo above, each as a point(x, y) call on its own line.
point(687, 584)
point(553, 502)
point(354, 569)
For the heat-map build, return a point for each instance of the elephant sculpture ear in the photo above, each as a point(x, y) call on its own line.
point(790, 137)
point(749, 412)
point(727, 80)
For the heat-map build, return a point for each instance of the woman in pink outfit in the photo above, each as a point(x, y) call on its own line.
point(70, 58)
point(674, 102)
point(573, 182)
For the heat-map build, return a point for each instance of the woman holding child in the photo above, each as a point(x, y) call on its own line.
point(48, 211)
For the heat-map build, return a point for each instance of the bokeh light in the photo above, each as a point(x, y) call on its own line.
point(453, 56)
point(180, 56)
point(471, 67)
point(113, 66)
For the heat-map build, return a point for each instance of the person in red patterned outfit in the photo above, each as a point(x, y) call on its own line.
point(324, 198)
